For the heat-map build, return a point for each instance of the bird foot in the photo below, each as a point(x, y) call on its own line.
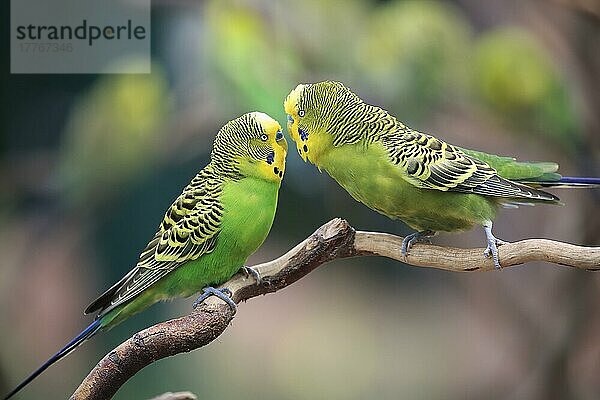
point(223, 294)
point(492, 246)
point(413, 238)
point(252, 271)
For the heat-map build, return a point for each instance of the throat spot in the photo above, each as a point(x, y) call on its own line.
point(303, 134)
point(270, 157)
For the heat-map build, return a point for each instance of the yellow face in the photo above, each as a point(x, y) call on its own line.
point(273, 167)
point(293, 117)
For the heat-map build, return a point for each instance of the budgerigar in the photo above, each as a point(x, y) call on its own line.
point(207, 234)
point(429, 184)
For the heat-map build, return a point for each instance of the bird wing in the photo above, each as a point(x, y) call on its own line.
point(431, 163)
point(189, 229)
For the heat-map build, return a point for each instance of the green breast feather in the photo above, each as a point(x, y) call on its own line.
point(371, 178)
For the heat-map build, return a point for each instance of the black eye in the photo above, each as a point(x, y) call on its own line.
point(279, 135)
point(301, 113)
point(264, 137)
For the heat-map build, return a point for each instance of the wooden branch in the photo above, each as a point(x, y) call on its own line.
point(461, 260)
point(336, 239)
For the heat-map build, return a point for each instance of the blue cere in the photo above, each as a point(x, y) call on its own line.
point(279, 135)
point(290, 119)
point(303, 134)
point(271, 157)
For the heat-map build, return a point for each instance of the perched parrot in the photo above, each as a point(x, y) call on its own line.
point(429, 184)
point(207, 234)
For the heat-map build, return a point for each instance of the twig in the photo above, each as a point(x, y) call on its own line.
point(176, 396)
point(336, 239)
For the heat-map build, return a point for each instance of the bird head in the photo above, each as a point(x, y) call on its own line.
point(311, 110)
point(251, 145)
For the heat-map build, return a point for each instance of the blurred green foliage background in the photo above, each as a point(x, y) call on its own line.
point(88, 164)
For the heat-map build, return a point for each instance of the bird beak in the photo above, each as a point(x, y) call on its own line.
point(293, 131)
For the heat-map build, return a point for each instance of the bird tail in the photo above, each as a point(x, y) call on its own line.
point(565, 182)
point(69, 347)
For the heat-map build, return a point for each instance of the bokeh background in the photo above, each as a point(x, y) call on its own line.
point(88, 163)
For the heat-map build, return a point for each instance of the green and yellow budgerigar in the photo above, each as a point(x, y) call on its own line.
point(429, 184)
point(220, 219)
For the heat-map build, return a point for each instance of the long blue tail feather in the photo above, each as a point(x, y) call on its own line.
point(579, 180)
point(564, 182)
point(69, 347)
